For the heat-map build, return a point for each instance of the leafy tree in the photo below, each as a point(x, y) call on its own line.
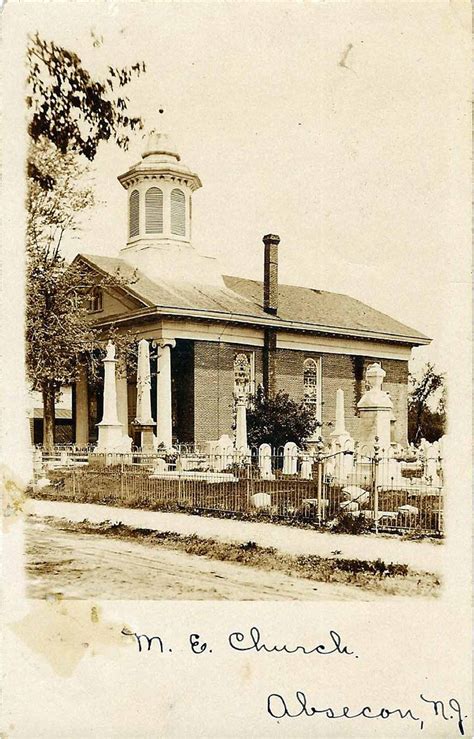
point(426, 411)
point(59, 333)
point(56, 196)
point(71, 113)
point(278, 419)
point(72, 109)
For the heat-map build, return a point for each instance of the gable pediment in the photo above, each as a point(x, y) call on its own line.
point(116, 298)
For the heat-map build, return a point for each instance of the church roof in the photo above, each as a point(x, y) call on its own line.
point(241, 301)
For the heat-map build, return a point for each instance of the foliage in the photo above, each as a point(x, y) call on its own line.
point(426, 406)
point(279, 419)
point(345, 523)
point(70, 114)
point(55, 197)
point(58, 327)
point(72, 109)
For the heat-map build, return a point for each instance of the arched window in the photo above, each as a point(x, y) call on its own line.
point(311, 381)
point(244, 374)
point(178, 213)
point(134, 214)
point(154, 211)
point(94, 300)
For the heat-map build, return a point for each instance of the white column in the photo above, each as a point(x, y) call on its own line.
point(164, 429)
point(82, 408)
point(143, 414)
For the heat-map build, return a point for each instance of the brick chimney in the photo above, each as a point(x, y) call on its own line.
point(270, 274)
point(270, 305)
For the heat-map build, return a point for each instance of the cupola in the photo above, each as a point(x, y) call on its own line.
point(159, 193)
point(159, 189)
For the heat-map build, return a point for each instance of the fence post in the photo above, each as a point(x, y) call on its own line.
point(319, 461)
point(376, 460)
point(74, 484)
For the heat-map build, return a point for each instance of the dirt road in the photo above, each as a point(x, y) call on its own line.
point(83, 566)
point(422, 556)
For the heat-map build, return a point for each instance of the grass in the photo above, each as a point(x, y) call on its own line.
point(371, 575)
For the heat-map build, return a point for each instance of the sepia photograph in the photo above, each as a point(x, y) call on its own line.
point(209, 406)
point(241, 228)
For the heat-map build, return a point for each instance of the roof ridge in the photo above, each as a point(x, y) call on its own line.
point(282, 284)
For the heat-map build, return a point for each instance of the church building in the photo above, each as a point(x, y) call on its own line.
point(211, 331)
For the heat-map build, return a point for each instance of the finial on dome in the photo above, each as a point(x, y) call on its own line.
point(160, 143)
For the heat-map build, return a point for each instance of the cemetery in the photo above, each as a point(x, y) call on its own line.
point(170, 429)
point(384, 486)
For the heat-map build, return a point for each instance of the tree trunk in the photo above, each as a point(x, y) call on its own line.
point(49, 396)
point(419, 417)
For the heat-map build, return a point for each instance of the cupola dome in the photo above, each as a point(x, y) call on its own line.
point(160, 189)
point(160, 144)
point(159, 193)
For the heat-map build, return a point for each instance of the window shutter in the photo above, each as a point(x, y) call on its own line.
point(154, 211)
point(134, 214)
point(178, 223)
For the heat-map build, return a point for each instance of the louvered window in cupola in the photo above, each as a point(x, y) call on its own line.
point(178, 213)
point(154, 211)
point(134, 214)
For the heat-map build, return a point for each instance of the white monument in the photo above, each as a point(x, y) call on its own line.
point(306, 471)
point(432, 464)
point(375, 410)
point(111, 431)
point(144, 422)
point(340, 433)
point(241, 443)
point(341, 441)
point(222, 453)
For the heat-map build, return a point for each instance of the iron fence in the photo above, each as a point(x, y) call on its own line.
point(321, 493)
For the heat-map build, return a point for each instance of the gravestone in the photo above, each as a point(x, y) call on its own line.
point(290, 458)
point(265, 462)
point(306, 471)
point(261, 500)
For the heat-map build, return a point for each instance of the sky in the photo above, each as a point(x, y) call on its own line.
point(338, 126)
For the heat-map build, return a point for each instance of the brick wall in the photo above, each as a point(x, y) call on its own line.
point(289, 371)
point(214, 384)
point(214, 387)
